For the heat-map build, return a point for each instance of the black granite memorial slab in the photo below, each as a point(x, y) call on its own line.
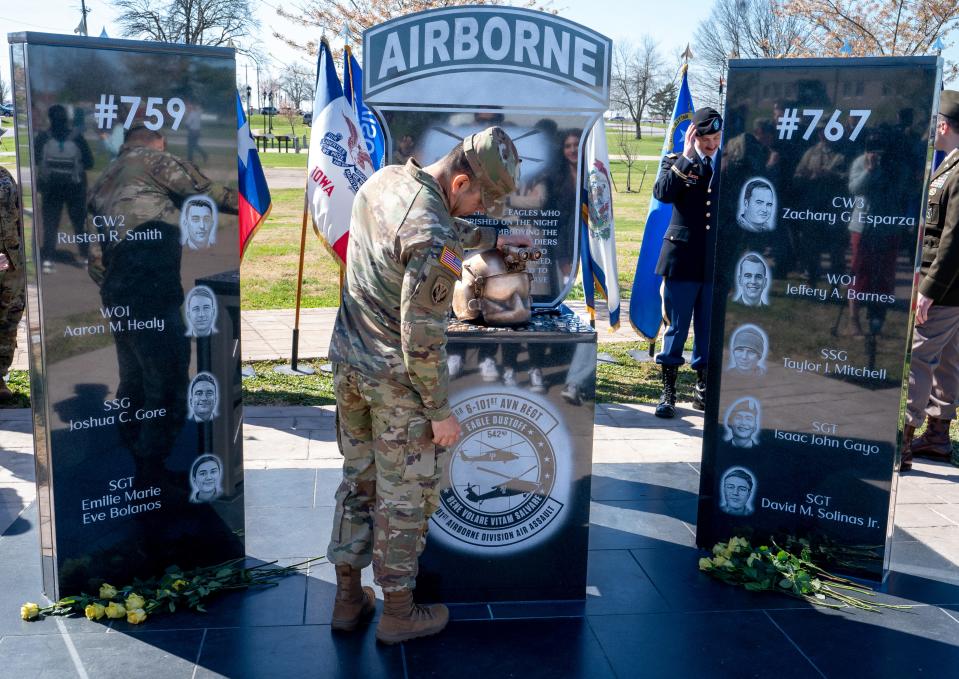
point(821, 196)
point(127, 155)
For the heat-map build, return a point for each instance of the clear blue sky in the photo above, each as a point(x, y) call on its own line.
point(671, 23)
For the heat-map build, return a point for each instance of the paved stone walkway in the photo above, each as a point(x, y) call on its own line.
point(648, 611)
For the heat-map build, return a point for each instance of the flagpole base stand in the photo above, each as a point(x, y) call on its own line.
point(299, 371)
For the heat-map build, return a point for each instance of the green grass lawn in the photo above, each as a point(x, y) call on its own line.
point(649, 145)
point(269, 268)
point(285, 160)
point(259, 124)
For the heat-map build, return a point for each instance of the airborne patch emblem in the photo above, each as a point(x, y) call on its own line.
point(441, 290)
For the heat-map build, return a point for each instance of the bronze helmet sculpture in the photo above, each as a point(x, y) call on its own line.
point(496, 287)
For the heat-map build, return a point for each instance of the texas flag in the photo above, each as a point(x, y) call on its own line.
point(255, 202)
point(339, 163)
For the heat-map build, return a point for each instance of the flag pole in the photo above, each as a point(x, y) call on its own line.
point(294, 368)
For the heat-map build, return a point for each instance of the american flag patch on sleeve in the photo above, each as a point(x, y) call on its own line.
point(449, 259)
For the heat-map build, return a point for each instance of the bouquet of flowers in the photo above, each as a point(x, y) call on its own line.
point(175, 589)
point(776, 570)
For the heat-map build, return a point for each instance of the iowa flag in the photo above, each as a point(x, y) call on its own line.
point(338, 163)
point(353, 90)
point(255, 201)
point(646, 302)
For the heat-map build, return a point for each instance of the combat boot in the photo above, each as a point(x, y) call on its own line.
point(404, 620)
point(906, 460)
point(354, 604)
point(934, 442)
point(699, 391)
point(667, 402)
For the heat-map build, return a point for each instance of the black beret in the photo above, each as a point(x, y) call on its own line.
point(707, 121)
point(949, 104)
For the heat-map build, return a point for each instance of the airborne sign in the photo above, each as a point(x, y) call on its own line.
point(492, 37)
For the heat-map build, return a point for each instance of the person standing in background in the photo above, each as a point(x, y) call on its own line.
point(12, 278)
point(934, 369)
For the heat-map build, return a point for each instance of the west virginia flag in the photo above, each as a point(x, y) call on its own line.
point(339, 163)
point(255, 202)
point(646, 302)
point(597, 232)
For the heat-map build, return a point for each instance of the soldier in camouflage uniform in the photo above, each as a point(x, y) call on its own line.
point(12, 275)
point(390, 374)
point(136, 262)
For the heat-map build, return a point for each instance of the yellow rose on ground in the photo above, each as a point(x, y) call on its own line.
point(705, 564)
point(115, 611)
point(94, 611)
point(134, 601)
point(29, 611)
point(179, 584)
point(107, 591)
point(137, 616)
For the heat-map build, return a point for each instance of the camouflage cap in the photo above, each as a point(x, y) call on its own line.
point(495, 163)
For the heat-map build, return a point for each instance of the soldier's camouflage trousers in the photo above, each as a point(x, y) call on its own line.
point(391, 472)
point(12, 300)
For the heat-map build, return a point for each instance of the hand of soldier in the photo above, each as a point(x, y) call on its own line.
point(923, 304)
point(519, 240)
point(446, 432)
point(689, 142)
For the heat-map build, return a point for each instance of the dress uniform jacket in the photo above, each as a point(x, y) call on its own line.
point(692, 191)
point(939, 277)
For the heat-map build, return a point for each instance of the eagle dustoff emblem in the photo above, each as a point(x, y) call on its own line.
point(508, 478)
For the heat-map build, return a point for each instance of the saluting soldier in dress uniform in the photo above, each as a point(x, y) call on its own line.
point(12, 275)
point(690, 183)
point(934, 370)
point(390, 369)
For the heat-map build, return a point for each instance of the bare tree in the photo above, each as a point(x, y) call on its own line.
point(4, 92)
point(626, 151)
point(637, 75)
point(746, 29)
point(193, 22)
point(298, 82)
point(355, 16)
point(881, 27)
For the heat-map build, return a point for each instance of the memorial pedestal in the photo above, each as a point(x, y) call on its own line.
point(513, 519)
